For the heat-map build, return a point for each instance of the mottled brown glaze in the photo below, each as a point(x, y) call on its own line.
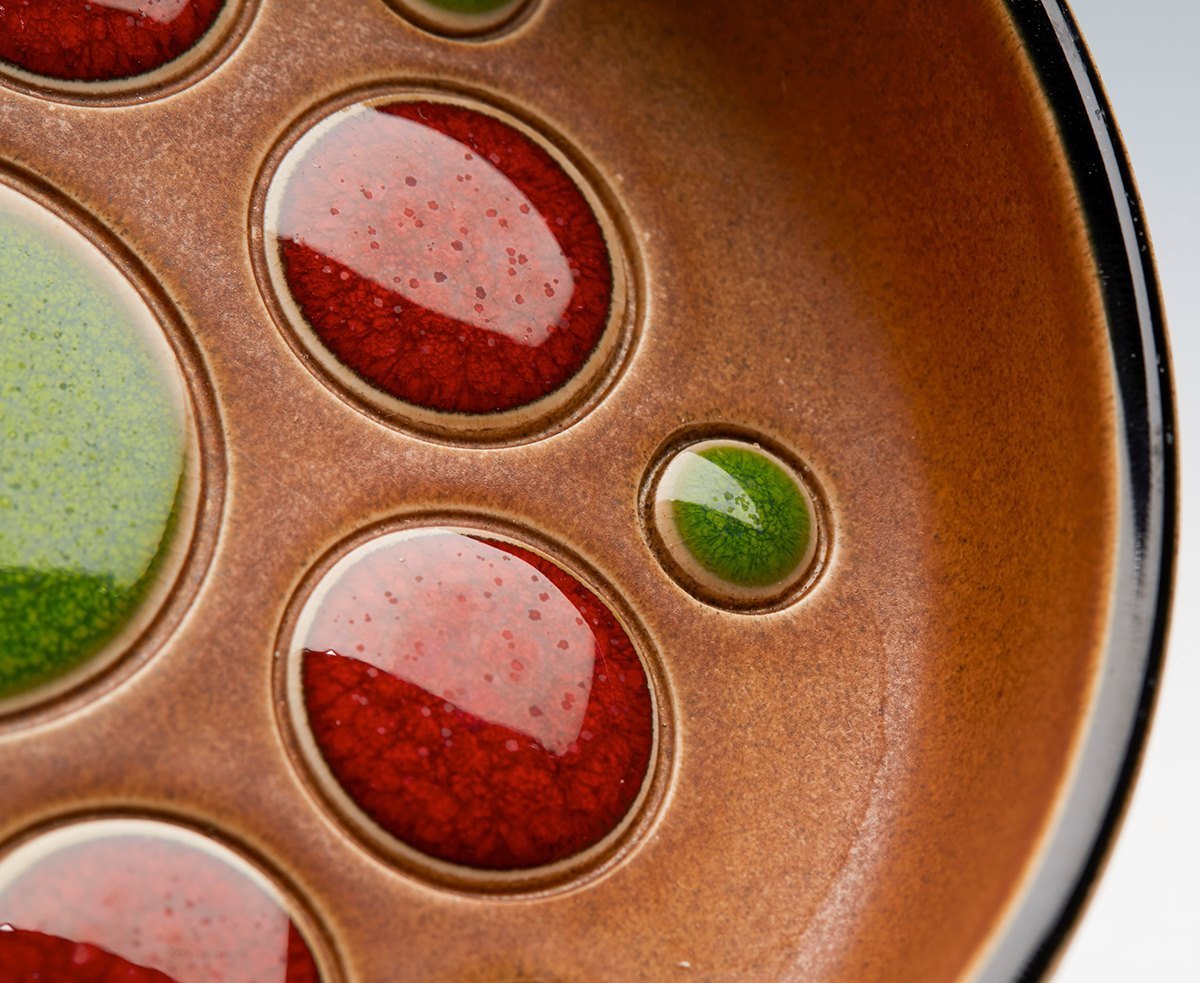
point(853, 231)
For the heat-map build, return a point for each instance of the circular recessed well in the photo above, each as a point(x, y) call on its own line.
point(734, 523)
point(462, 18)
point(444, 265)
point(470, 706)
point(99, 462)
point(109, 48)
point(145, 901)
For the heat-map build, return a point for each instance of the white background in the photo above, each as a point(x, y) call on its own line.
point(1143, 923)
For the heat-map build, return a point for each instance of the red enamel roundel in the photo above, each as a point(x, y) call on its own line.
point(142, 901)
point(440, 254)
point(101, 40)
point(473, 699)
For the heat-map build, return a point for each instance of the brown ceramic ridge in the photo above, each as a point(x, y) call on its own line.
point(859, 239)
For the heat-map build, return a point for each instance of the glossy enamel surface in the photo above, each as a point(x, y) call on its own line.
point(464, 19)
point(93, 456)
point(473, 699)
point(101, 40)
point(144, 902)
point(442, 263)
point(734, 522)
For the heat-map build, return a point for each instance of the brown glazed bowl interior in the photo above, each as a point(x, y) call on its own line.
point(882, 235)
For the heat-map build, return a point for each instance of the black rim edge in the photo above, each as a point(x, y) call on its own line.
point(1133, 308)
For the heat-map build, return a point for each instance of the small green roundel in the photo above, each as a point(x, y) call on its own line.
point(92, 450)
point(470, 6)
point(461, 18)
point(735, 520)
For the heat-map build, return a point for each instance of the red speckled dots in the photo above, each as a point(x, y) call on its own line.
point(473, 699)
point(100, 40)
point(441, 255)
point(141, 901)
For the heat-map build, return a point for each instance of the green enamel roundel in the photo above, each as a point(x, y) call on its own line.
point(471, 6)
point(461, 17)
point(735, 519)
point(92, 449)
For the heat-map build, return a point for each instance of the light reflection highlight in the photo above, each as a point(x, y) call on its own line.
point(154, 895)
point(475, 626)
point(162, 11)
point(419, 214)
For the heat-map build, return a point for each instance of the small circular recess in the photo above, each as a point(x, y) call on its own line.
point(148, 901)
point(462, 19)
point(735, 522)
point(443, 265)
point(474, 710)
point(100, 452)
point(114, 51)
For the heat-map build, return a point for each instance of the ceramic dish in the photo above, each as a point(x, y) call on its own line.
point(569, 491)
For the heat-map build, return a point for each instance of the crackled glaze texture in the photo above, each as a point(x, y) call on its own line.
point(474, 699)
point(100, 40)
point(441, 255)
point(93, 448)
point(142, 902)
point(735, 522)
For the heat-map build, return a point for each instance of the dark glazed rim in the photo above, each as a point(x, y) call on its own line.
point(1143, 574)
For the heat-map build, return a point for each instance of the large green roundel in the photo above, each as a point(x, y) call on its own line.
point(93, 448)
point(735, 521)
